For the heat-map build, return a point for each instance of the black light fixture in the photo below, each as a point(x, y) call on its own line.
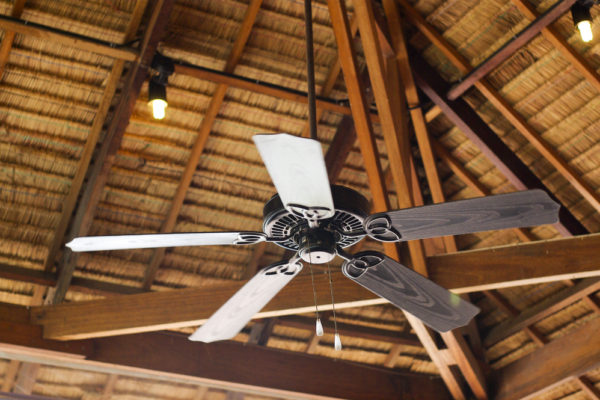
point(582, 18)
point(162, 68)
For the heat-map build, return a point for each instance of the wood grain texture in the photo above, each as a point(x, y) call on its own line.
point(542, 310)
point(560, 360)
point(462, 272)
point(265, 371)
point(511, 210)
point(504, 107)
point(437, 307)
point(482, 136)
point(514, 265)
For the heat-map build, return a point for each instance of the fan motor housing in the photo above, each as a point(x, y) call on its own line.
point(344, 229)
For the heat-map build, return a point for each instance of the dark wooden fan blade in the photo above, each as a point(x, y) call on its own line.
point(229, 320)
point(437, 307)
point(512, 210)
point(149, 241)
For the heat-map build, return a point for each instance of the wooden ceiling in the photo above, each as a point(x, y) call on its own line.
point(419, 102)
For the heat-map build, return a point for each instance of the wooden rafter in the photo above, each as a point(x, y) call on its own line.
point(206, 126)
point(264, 88)
point(569, 356)
point(482, 136)
point(549, 153)
point(359, 106)
point(396, 137)
point(9, 36)
point(104, 161)
point(90, 144)
point(528, 263)
point(67, 38)
point(273, 372)
point(557, 40)
point(509, 48)
point(542, 310)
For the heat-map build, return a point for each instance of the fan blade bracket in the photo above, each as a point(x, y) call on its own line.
point(310, 213)
point(245, 238)
point(437, 307)
point(379, 227)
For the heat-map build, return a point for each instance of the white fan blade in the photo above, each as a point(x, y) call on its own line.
point(123, 242)
point(228, 320)
point(297, 169)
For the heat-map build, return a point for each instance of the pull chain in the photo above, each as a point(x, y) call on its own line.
point(318, 324)
point(337, 342)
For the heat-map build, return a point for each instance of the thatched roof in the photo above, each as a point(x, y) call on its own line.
point(55, 98)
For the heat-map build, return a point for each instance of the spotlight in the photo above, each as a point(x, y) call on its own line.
point(162, 68)
point(583, 19)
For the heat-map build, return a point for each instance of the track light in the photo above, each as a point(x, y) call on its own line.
point(162, 68)
point(583, 19)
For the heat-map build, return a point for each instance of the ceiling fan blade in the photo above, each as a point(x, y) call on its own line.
point(228, 320)
point(297, 169)
point(148, 241)
point(437, 307)
point(511, 210)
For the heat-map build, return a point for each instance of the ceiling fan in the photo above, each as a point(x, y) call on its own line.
point(318, 221)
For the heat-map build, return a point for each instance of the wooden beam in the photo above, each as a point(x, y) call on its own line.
point(396, 136)
point(509, 48)
point(504, 108)
point(9, 36)
point(360, 110)
point(90, 144)
point(210, 116)
point(84, 285)
point(109, 387)
point(10, 374)
point(329, 84)
point(26, 378)
point(542, 310)
point(505, 266)
point(273, 372)
point(588, 388)
point(570, 355)
point(518, 264)
point(99, 173)
point(557, 40)
point(352, 330)
point(482, 136)
point(70, 39)
point(265, 88)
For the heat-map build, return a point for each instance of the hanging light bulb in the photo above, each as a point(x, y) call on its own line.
point(582, 18)
point(319, 328)
point(162, 67)
point(337, 342)
point(157, 98)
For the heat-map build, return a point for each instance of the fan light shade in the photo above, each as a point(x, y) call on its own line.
point(157, 99)
point(583, 20)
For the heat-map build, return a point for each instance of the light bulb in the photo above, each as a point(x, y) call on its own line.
point(337, 342)
point(158, 108)
point(585, 30)
point(319, 327)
